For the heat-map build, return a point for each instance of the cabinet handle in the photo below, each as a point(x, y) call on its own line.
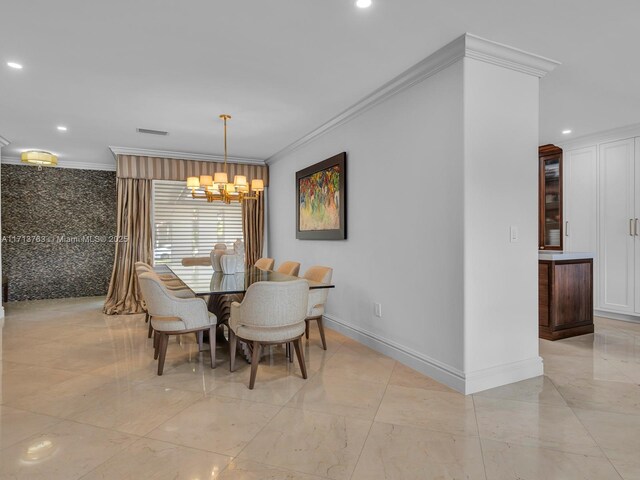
point(631, 227)
point(566, 228)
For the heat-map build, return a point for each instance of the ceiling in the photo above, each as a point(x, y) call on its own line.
point(281, 68)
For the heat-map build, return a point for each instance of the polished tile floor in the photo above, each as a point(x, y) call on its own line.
point(80, 399)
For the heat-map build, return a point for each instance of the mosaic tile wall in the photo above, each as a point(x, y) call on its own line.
point(56, 225)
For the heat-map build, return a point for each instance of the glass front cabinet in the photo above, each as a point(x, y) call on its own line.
point(550, 198)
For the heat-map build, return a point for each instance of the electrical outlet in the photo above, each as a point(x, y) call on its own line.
point(377, 310)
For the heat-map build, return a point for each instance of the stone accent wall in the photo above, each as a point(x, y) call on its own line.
point(56, 229)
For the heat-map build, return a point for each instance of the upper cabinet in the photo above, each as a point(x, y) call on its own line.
point(550, 198)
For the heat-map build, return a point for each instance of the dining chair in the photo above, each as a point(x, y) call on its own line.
point(289, 268)
point(265, 263)
point(171, 315)
point(196, 261)
point(271, 313)
point(170, 281)
point(317, 299)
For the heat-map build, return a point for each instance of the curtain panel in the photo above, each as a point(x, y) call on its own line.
point(156, 168)
point(253, 229)
point(134, 229)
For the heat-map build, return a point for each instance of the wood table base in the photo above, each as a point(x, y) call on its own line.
point(220, 305)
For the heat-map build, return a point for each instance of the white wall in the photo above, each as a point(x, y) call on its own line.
point(404, 208)
point(501, 190)
point(437, 175)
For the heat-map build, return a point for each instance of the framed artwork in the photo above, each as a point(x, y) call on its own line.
point(321, 207)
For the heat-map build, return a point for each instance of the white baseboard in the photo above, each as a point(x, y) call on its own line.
point(450, 376)
point(617, 316)
point(503, 375)
point(439, 371)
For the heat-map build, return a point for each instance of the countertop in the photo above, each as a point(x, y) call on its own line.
point(556, 255)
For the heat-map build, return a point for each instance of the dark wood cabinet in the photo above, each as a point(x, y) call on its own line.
point(550, 198)
point(565, 298)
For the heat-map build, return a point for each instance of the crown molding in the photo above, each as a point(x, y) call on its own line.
point(65, 164)
point(446, 56)
point(467, 45)
point(612, 135)
point(4, 142)
point(203, 157)
point(505, 56)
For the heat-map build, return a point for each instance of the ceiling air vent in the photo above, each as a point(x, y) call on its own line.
point(151, 132)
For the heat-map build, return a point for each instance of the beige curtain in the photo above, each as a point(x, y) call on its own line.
point(253, 228)
point(134, 223)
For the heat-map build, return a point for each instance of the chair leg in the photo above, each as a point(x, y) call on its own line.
point(150, 330)
point(306, 329)
point(255, 359)
point(321, 328)
point(290, 352)
point(212, 344)
point(156, 345)
point(164, 340)
point(200, 337)
point(146, 317)
point(233, 343)
point(300, 354)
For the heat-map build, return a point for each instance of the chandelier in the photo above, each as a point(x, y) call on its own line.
point(218, 187)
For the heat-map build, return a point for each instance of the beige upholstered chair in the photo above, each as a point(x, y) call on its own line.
point(265, 263)
point(271, 313)
point(196, 261)
point(289, 268)
point(171, 315)
point(317, 298)
point(170, 281)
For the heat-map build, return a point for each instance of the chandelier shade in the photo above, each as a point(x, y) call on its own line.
point(220, 177)
point(257, 185)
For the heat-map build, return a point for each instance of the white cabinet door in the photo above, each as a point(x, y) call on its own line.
point(616, 214)
point(580, 170)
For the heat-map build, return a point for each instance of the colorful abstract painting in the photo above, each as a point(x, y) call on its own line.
point(321, 207)
point(319, 200)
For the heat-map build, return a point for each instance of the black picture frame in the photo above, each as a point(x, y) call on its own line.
point(339, 160)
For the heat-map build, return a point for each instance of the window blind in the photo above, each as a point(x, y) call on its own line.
point(188, 227)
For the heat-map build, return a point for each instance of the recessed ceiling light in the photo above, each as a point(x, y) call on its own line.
point(61, 128)
point(15, 65)
point(566, 132)
point(363, 3)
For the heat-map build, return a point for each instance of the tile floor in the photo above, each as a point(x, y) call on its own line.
point(80, 399)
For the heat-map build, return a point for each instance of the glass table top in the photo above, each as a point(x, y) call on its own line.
point(202, 280)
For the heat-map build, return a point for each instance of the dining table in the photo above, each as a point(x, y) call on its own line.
point(219, 289)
